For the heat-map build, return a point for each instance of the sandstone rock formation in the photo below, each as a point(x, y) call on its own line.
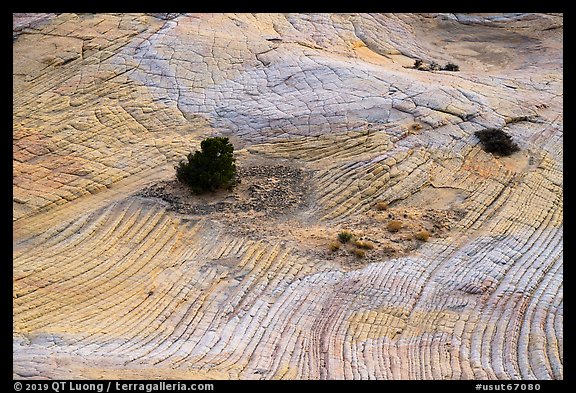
point(113, 281)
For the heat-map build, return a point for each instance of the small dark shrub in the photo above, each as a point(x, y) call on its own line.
point(209, 169)
point(451, 67)
point(497, 141)
point(418, 63)
point(416, 126)
point(344, 236)
point(434, 66)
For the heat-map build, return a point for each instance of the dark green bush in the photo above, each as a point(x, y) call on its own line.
point(451, 67)
point(434, 66)
point(209, 169)
point(497, 141)
point(345, 236)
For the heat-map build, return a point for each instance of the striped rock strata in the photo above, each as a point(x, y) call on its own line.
point(111, 280)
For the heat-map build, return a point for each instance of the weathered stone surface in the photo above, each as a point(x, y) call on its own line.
point(111, 282)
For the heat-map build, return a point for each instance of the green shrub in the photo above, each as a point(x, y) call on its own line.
point(344, 236)
point(451, 67)
point(209, 169)
point(497, 141)
point(433, 66)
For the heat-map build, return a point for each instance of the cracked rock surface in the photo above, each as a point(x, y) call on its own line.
point(330, 121)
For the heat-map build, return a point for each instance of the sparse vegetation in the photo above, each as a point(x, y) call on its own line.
point(497, 141)
point(433, 66)
point(389, 250)
point(394, 226)
point(350, 245)
point(416, 126)
point(423, 235)
point(380, 206)
point(451, 67)
point(334, 246)
point(209, 169)
point(359, 253)
point(364, 244)
point(345, 236)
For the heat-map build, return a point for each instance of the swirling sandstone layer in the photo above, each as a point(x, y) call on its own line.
point(114, 276)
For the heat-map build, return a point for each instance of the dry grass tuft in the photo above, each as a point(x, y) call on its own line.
point(380, 206)
point(423, 235)
point(334, 246)
point(364, 244)
point(359, 253)
point(394, 226)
